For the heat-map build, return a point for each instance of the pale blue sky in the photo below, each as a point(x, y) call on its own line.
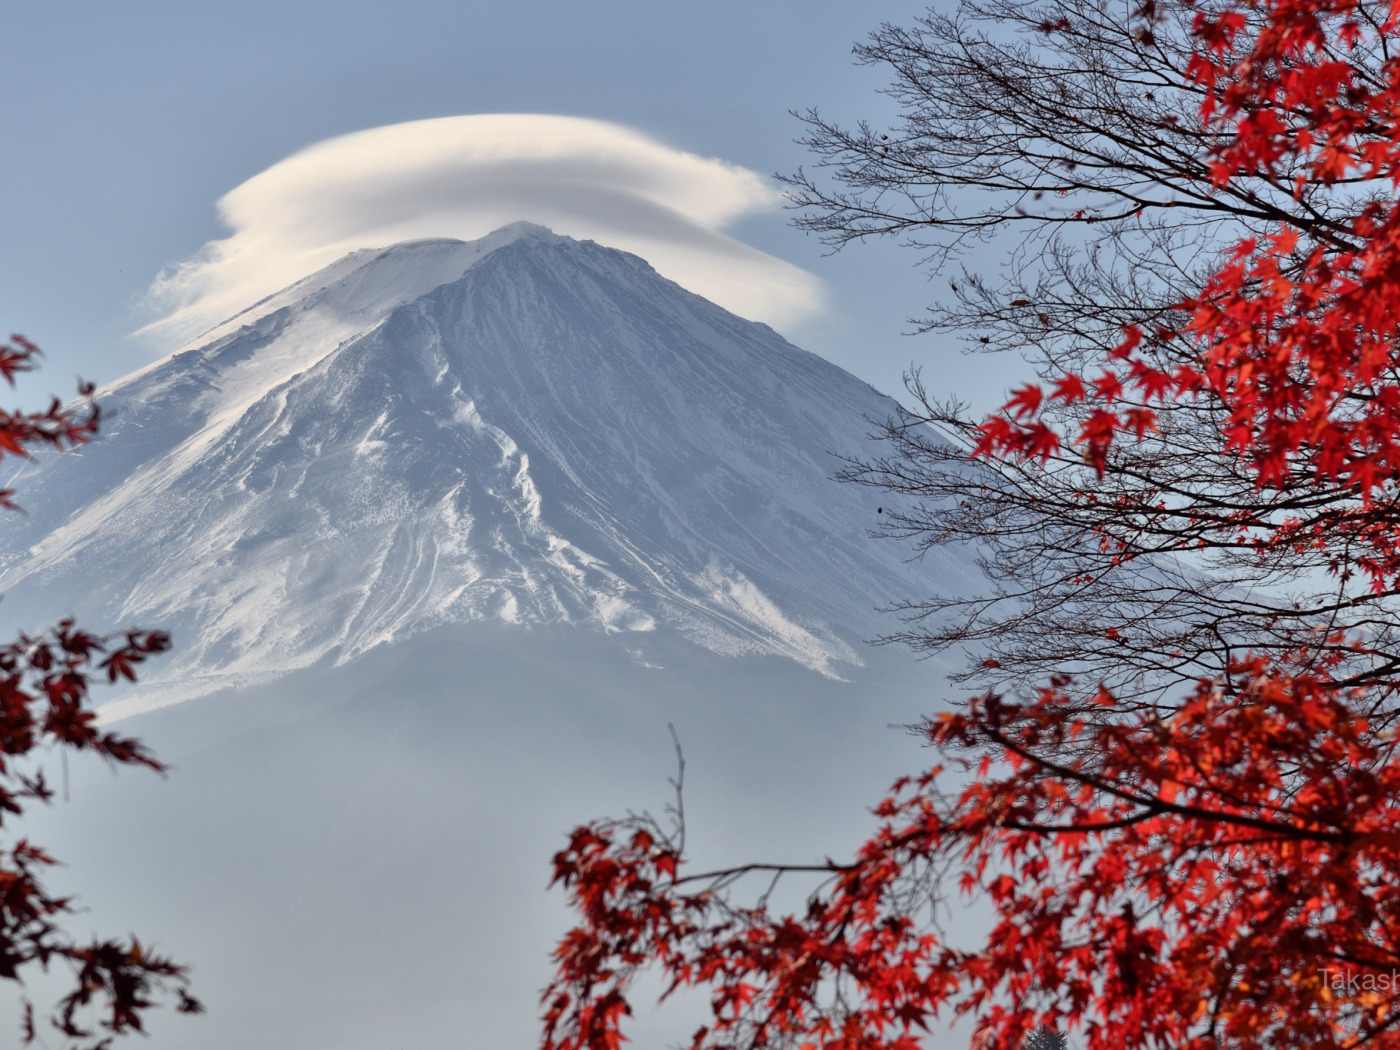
point(124, 123)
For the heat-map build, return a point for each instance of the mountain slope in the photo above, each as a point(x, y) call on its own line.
point(583, 508)
point(527, 429)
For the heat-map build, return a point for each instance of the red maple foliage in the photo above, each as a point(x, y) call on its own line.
point(1222, 879)
point(44, 690)
point(1296, 333)
point(1217, 872)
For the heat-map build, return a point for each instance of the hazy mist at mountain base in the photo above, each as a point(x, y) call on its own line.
point(355, 858)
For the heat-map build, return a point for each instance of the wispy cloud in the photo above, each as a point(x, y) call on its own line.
point(465, 176)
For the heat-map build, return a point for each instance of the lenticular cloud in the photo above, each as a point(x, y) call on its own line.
point(465, 176)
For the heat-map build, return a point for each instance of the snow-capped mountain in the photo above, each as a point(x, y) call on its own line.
point(525, 428)
point(430, 446)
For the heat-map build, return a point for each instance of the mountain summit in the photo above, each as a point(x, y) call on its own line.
point(524, 428)
point(460, 534)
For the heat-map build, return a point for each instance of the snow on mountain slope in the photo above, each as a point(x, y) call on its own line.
point(526, 428)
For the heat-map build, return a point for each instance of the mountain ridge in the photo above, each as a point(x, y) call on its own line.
point(555, 434)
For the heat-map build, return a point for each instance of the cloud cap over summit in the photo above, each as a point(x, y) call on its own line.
point(463, 176)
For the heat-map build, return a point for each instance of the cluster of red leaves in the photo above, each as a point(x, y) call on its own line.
point(60, 426)
point(44, 693)
point(1224, 877)
point(1300, 340)
point(1297, 336)
point(1220, 876)
point(44, 684)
